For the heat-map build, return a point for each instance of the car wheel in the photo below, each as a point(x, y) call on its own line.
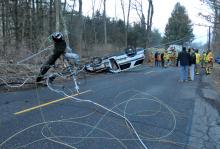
point(114, 65)
point(130, 52)
point(96, 61)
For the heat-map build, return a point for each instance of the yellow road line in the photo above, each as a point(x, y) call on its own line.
point(48, 103)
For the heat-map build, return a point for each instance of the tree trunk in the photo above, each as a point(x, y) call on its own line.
point(105, 30)
point(7, 32)
point(80, 26)
point(16, 26)
point(57, 12)
point(93, 21)
point(149, 25)
point(3, 30)
point(30, 32)
point(126, 20)
point(33, 31)
point(51, 17)
point(149, 21)
point(127, 25)
point(24, 24)
point(41, 18)
point(123, 12)
point(64, 23)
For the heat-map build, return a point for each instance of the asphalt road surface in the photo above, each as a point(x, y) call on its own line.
point(141, 108)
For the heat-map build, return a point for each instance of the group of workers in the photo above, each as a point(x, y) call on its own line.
point(191, 62)
point(163, 59)
point(205, 60)
point(191, 58)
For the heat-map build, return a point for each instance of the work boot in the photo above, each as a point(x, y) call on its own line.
point(39, 78)
point(51, 79)
point(206, 72)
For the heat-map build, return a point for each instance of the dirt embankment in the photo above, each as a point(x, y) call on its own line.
point(216, 74)
point(12, 76)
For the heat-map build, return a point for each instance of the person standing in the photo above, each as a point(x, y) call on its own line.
point(159, 59)
point(203, 59)
point(166, 58)
point(209, 62)
point(192, 64)
point(156, 59)
point(198, 61)
point(162, 59)
point(183, 58)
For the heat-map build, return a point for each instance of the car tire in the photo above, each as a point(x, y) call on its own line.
point(96, 61)
point(114, 66)
point(130, 52)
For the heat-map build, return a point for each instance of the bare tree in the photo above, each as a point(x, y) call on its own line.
point(126, 20)
point(138, 5)
point(57, 8)
point(213, 18)
point(16, 24)
point(3, 6)
point(105, 30)
point(80, 26)
point(93, 23)
point(64, 22)
point(50, 16)
point(149, 21)
point(93, 8)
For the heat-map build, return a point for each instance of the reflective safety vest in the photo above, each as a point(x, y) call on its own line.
point(166, 56)
point(198, 58)
point(203, 56)
point(209, 57)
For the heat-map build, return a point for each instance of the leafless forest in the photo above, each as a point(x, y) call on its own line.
point(25, 26)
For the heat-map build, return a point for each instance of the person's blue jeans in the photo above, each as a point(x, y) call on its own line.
point(156, 63)
point(184, 73)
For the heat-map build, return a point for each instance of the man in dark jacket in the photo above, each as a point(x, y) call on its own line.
point(162, 60)
point(156, 59)
point(184, 59)
point(59, 49)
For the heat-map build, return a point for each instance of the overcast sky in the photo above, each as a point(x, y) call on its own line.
point(162, 11)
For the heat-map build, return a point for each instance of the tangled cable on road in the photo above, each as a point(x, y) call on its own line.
point(122, 114)
point(120, 109)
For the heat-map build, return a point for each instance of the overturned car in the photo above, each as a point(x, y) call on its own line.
point(128, 59)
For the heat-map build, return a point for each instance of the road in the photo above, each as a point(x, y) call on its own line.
point(141, 108)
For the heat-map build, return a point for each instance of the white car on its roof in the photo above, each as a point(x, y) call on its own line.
point(127, 59)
